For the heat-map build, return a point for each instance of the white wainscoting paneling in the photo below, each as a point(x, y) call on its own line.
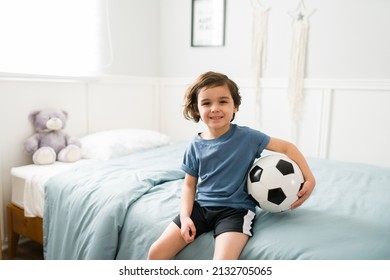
point(341, 119)
point(115, 103)
point(360, 122)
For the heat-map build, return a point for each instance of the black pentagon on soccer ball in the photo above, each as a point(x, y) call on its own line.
point(255, 174)
point(285, 167)
point(276, 196)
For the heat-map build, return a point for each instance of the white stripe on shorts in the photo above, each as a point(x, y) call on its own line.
point(247, 226)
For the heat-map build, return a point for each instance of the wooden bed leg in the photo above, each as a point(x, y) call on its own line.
point(13, 238)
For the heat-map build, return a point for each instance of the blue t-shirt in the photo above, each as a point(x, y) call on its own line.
point(222, 165)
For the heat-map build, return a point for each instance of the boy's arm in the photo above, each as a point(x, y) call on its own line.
point(188, 230)
point(290, 150)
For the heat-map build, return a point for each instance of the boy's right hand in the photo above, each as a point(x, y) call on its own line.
point(188, 230)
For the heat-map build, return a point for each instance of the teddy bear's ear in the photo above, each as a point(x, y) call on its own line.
point(65, 113)
point(32, 115)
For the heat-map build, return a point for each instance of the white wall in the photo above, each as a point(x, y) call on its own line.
point(348, 39)
point(135, 37)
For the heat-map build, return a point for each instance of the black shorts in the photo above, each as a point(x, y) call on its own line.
point(220, 219)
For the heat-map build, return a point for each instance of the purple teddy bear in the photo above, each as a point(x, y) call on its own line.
point(50, 143)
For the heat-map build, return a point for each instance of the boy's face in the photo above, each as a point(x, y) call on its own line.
point(216, 109)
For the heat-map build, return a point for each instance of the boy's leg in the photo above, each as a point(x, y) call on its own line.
point(232, 231)
point(168, 245)
point(229, 245)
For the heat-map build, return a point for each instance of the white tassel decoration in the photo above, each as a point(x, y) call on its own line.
point(300, 31)
point(259, 43)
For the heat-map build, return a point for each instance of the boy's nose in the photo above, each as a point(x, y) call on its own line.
point(215, 107)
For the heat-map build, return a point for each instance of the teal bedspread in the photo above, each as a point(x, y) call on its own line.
point(116, 209)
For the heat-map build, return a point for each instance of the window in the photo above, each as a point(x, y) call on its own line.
point(53, 37)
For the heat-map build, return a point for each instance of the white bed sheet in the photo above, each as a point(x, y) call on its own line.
point(28, 184)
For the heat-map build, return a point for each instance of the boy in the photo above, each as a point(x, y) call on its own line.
point(217, 161)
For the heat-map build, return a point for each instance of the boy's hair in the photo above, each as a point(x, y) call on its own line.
point(205, 81)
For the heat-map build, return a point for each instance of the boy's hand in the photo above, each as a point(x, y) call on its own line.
point(188, 230)
point(303, 194)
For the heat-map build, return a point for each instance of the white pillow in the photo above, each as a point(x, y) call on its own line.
point(116, 143)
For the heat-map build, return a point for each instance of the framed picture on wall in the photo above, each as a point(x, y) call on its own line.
point(208, 23)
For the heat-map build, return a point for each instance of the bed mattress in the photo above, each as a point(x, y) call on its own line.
point(28, 184)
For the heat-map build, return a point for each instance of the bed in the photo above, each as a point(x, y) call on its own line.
point(116, 208)
point(25, 211)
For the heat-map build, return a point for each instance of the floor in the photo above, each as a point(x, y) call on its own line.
point(28, 250)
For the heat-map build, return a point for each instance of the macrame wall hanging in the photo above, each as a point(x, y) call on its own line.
point(259, 44)
point(300, 31)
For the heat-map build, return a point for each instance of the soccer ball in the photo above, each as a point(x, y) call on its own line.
point(274, 182)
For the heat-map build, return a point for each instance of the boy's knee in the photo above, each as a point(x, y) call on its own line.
point(157, 251)
point(153, 252)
